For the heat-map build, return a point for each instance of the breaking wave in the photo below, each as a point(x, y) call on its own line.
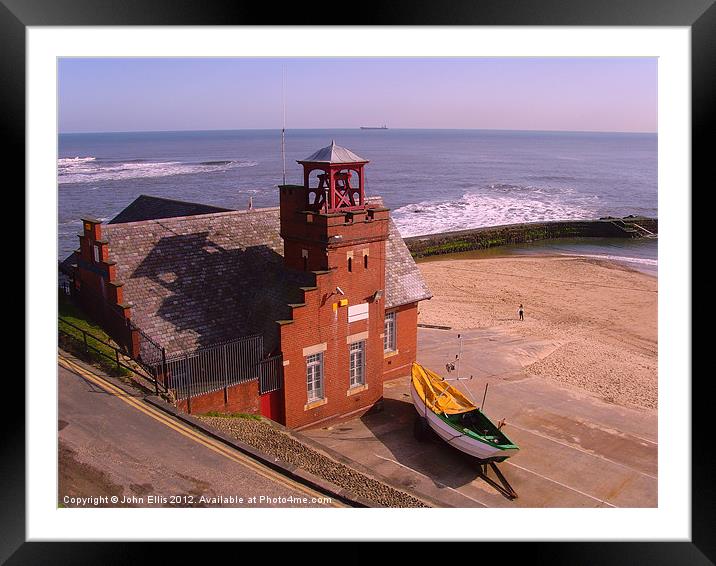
point(496, 205)
point(92, 169)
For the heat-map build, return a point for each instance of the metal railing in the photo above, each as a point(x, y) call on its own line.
point(149, 353)
point(271, 374)
point(214, 367)
point(103, 348)
point(205, 370)
point(108, 316)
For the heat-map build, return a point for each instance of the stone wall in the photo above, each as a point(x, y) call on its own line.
point(480, 238)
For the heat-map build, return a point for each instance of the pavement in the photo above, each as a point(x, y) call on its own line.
point(576, 450)
point(112, 444)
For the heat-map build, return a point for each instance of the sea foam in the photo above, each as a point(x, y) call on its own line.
point(504, 205)
point(93, 170)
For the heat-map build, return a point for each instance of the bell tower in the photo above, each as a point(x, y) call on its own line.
point(338, 189)
point(331, 229)
point(330, 212)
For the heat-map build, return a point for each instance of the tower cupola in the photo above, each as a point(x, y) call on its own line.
point(340, 185)
point(329, 212)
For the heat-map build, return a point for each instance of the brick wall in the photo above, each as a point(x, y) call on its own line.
point(406, 321)
point(322, 321)
point(318, 323)
point(93, 271)
point(239, 398)
point(96, 288)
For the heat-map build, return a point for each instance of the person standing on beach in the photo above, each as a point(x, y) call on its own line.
point(521, 312)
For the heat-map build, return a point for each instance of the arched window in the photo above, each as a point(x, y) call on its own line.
point(350, 264)
point(365, 261)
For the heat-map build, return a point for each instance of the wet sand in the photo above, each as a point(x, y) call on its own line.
point(600, 316)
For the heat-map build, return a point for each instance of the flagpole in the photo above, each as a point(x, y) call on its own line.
point(283, 129)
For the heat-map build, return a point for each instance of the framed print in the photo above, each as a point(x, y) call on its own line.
point(200, 305)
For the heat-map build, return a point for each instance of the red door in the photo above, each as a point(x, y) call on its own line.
point(272, 406)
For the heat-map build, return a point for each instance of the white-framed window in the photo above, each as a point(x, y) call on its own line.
point(314, 376)
point(95, 250)
point(389, 332)
point(357, 363)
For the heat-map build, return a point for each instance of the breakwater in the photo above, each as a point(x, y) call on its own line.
point(492, 236)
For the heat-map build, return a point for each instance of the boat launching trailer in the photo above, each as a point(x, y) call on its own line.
point(424, 433)
point(503, 486)
point(443, 411)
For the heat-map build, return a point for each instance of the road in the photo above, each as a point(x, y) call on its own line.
point(114, 445)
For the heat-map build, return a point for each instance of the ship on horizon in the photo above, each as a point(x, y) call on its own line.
point(383, 127)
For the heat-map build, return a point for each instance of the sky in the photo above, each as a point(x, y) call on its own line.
point(568, 94)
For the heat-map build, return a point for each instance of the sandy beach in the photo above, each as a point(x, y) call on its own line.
point(599, 317)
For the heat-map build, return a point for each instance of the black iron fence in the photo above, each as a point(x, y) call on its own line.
point(271, 374)
point(90, 343)
point(188, 374)
point(214, 367)
point(108, 316)
point(147, 352)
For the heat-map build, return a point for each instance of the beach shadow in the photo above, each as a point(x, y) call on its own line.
point(443, 464)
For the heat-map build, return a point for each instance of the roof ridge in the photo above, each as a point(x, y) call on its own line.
point(182, 201)
point(190, 217)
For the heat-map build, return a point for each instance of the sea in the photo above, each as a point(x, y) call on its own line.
point(432, 180)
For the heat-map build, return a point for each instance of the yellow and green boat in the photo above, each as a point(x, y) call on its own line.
point(455, 419)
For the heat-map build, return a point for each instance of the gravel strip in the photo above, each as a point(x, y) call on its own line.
point(278, 444)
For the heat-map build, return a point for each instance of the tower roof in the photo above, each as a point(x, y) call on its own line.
point(333, 154)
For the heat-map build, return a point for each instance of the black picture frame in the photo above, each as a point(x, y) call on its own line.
point(699, 15)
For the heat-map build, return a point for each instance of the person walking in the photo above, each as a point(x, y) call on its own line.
point(521, 312)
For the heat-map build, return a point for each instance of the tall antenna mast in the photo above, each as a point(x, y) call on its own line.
point(283, 129)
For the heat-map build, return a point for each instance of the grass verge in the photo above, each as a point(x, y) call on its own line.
point(232, 415)
point(96, 338)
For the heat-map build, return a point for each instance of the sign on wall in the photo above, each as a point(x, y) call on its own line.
point(358, 312)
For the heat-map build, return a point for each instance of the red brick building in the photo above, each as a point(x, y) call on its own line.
point(324, 283)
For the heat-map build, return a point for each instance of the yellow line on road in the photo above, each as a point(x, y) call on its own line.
point(189, 432)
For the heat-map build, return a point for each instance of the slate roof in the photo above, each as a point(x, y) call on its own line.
point(198, 280)
point(403, 281)
point(202, 279)
point(333, 154)
point(146, 207)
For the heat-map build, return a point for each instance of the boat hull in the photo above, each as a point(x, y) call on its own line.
point(462, 442)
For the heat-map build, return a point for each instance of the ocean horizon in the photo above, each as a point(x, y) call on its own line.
point(353, 128)
point(434, 180)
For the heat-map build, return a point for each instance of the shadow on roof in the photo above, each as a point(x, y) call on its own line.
point(204, 293)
